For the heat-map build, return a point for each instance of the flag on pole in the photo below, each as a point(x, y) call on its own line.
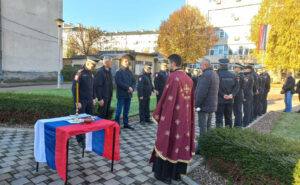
point(264, 31)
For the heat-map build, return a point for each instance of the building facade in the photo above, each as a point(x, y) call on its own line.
point(29, 40)
point(139, 41)
point(232, 20)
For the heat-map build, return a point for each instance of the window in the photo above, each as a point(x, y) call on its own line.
point(221, 34)
point(241, 50)
point(221, 50)
point(246, 52)
point(226, 50)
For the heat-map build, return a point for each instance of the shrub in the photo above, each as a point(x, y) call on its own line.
point(68, 72)
point(260, 156)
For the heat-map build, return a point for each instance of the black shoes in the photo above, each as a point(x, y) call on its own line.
point(167, 181)
point(129, 127)
point(142, 122)
point(149, 121)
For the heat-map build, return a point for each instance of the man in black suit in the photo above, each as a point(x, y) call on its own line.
point(104, 88)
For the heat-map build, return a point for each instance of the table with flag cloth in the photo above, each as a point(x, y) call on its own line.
point(102, 137)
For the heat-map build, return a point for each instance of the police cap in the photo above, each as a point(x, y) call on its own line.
point(224, 61)
point(238, 65)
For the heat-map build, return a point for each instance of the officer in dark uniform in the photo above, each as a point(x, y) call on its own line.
point(238, 99)
point(228, 88)
point(248, 95)
point(104, 88)
point(267, 78)
point(262, 84)
point(145, 88)
point(160, 80)
point(85, 78)
point(255, 105)
point(195, 77)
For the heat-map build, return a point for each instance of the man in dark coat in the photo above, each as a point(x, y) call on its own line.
point(125, 82)
point(238, 99)
point(160, 80)
point(206, 96)
point(288, 90)
point(145, 89)
point(255, 105)
point(104, 88)
point(86, 96)
point(228, 88)
point(248, 95)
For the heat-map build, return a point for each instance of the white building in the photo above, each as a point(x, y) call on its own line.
point(139, 41)
point(232, 19)
point(29, 47)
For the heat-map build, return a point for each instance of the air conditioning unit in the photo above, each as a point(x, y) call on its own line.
point(236, 18)
point(236, 38)
point(218, 1)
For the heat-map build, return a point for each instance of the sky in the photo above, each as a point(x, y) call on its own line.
point(120, 15)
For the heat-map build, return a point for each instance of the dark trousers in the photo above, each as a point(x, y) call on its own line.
point(247, 111)
point(88, 108)
point(264, 103)
point(224, 110)
point(158, 97)
point(255, 106)
point(104, 111)
point(123, 102)
point(144, 106)
point(238, 113)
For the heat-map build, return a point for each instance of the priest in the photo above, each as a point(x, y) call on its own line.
point(175, 117)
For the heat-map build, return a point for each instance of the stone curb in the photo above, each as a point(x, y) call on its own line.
point(255, 121)
point(7, 85)
point(17, 129)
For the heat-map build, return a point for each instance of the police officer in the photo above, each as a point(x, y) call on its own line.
point(238, 99)
point(104, 88)
point(248, 95)
point(267, 78)
point(255, 105)
point(228, 88)
point(145, 89)
point(85, 78)
point(160, 80)
point(195, 77)
point(262, 84)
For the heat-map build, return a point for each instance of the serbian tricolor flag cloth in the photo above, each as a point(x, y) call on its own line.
point(264, 31)
point(57, 134)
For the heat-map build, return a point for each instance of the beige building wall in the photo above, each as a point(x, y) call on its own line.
point(29, 38)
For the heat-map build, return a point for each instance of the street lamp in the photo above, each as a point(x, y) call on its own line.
point(59, 23)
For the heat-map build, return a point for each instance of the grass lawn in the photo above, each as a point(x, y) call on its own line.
point(288, 126)
point(67, 94)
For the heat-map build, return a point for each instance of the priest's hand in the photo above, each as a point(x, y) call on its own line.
point(101, 103)
point(94, 102)
point(156, 92)
point(141, 97)
point(78, 106)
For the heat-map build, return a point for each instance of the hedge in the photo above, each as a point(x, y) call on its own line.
point(68, 72)
point(258, 155)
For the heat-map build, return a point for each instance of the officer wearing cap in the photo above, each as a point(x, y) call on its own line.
point(261, 89)
point(145, 89)
point(85, 78)
point(264, 74)
point(104, 88)
point(255, 105)
point(238, 99)
point(160, 80)
point(248, 95)
point(228, 88)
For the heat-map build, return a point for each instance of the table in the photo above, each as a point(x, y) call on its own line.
point(102, 137)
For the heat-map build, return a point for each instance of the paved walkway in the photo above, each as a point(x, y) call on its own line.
point(17, 164)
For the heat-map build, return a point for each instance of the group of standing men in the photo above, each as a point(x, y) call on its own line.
point(243, 94)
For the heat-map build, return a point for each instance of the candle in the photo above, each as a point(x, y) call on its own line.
point(77, 93)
